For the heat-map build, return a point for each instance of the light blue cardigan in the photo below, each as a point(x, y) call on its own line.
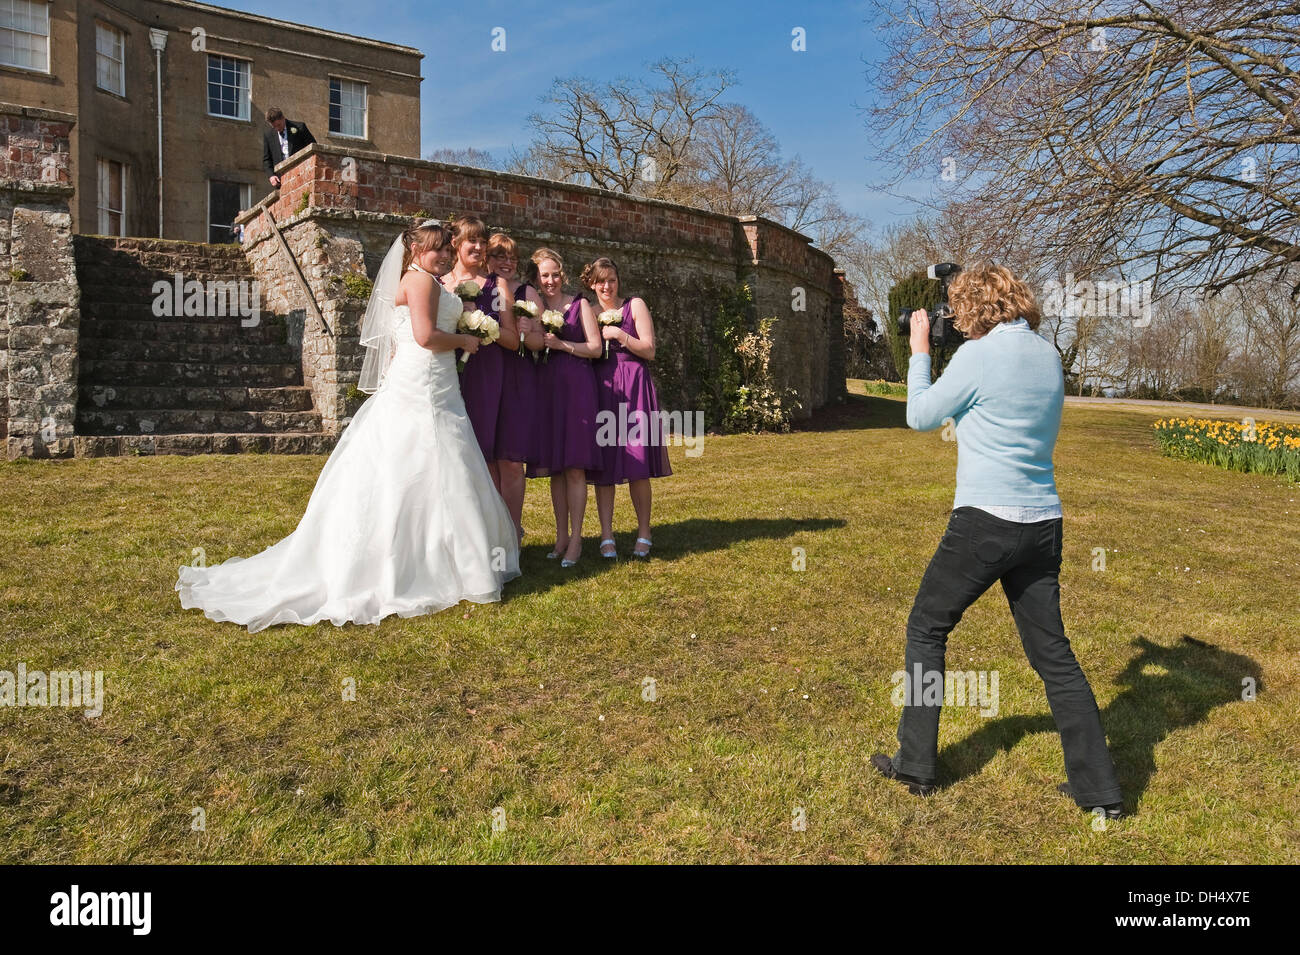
point(1005, 393)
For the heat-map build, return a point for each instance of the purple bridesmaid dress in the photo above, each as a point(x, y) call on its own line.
point(517, 420)
point(624, 388)
point(566, 405)
point(481, 380)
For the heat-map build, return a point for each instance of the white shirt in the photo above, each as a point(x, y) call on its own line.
point(1016, 512)
point(284, 141)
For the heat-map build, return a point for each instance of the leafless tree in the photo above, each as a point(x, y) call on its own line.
point(469, 156)
point(1264, 363)
point(875, 264)
point(1154, 141)
point(631, 135)
point(669, 136)
point(735, 165)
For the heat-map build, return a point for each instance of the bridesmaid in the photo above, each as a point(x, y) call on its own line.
point(481, 380)
point(623, 383)
point(566, 405)
point(516, 435)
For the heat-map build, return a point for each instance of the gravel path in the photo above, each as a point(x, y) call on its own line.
point(1183, 409)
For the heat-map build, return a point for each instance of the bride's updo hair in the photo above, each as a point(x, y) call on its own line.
point(465, 227)
point(601, 269)
point(425, 236)
point(535, 267)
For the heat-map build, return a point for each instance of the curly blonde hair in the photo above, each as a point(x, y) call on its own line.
point(984, 296)
point(540, 256)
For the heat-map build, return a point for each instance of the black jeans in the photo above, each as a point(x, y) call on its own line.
point(976, 550)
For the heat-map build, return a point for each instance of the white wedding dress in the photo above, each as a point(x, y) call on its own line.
point(404, 518)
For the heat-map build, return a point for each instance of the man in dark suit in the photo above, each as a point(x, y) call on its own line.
point(281, 140)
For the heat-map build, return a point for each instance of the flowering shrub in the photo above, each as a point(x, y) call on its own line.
point(759, 405)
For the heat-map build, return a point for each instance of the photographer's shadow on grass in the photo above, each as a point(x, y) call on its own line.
point(693, 536)
point(1168, 689)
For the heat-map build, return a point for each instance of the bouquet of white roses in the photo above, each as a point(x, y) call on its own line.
point(552, 321)
point(527, 309)
point(611, 316)
point(468, 291)
point(481, 325)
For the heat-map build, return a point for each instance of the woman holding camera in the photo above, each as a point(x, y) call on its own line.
point(1004, 391)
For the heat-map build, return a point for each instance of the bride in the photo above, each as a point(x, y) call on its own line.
point(404, 518)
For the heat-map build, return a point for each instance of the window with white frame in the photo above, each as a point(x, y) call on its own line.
point(347, 107)
point(25, 34)
point(228, 86)
point(110, 57)
point(111, 197)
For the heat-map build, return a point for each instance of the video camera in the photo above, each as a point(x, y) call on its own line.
point(942, 329)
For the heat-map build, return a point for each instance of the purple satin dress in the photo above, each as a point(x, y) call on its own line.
point(517, 435)
point(625, 392)
point(481, 380)
point(566, 405)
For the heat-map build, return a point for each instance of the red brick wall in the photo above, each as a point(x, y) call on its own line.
point(369, 182)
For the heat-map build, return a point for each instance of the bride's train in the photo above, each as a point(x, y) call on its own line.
point(404, 518)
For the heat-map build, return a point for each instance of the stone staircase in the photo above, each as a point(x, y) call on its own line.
point(178, 384)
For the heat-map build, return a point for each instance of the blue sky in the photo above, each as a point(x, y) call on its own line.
point(481, 98)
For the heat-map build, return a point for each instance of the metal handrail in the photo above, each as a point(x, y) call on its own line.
point(297, 270)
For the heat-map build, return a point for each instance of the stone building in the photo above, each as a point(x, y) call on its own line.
point(107, 62)
point(97, 354)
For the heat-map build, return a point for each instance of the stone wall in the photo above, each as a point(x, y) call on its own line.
point(340, 209)
point(39, 314)
point(331, 360)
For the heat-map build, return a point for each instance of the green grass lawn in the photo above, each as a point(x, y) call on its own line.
point(772, 685)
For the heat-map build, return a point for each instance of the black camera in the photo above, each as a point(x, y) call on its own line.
point(942, 329)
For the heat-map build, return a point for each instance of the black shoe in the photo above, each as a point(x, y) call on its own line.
point(1114, 810)
point(885, 766)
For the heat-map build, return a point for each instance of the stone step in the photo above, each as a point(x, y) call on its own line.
point(104, 371)
point(193, 421)
point(138, 289)
point(227, 352)
point(218, 270)
point(292, 398)
point(183, 330)
point(133, 311)
point(98, 446)
point(99, 247)
point(113, 262)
